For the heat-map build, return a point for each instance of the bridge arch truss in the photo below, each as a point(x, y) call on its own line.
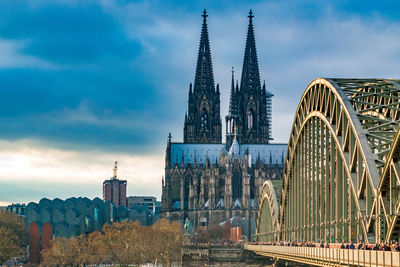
point(267, 219)
point(339, 181)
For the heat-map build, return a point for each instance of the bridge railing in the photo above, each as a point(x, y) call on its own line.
point(329, 255)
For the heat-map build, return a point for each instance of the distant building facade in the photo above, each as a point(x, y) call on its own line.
point(16, 208)
point(114, 189)
point(148, 202)
point(76, 216)
point(205, 180)
point(67, 218)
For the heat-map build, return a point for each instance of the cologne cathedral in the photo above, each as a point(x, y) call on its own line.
point(206, 181)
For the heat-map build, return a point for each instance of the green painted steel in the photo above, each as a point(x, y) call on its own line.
point(341, 177)
point(267, 220)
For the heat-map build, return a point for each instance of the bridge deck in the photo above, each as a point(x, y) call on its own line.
point(328, 256)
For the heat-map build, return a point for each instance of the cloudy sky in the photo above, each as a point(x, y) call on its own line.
point(86, 83)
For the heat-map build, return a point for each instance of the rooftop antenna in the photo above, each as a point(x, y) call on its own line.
point(115, 169)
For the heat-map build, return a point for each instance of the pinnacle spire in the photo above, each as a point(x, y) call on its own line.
point(251, 16)
point(250, 74)
point(233, 78)
point(264, 90)
point(204, 79)
point(233, 108)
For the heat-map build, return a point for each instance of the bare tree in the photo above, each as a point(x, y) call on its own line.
point(168, 241)
point(12, 236)
point(120, 243)
point(60, 253)
point(99, 253)
point(80, 248)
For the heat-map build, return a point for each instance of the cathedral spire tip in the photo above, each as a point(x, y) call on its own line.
point(204, 77)
point(233, 81)
point(203, 90)
point(204, 14)
point(250, 15)
point(250, 80)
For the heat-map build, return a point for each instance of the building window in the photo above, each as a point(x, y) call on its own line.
point(186, 192)
point(111, 212)
point(88, 225)
point(237, 185)
point(250, 119)
point(203, 119)
point(175, 192)
point(96, 214)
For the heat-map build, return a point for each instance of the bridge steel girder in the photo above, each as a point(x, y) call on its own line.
point(339, 146)
point(389, 193)
point(267, 219)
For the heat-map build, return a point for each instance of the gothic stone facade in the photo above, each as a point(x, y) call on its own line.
point(209, 189)
point(205, 180)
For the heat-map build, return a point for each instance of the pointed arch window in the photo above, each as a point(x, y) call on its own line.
point(250, 119)
point(236, 184)
point(186, 192)
point(96, 212)
point(88, 224)
point(203, 119)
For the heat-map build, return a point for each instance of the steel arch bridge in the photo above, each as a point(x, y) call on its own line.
point(341, 179)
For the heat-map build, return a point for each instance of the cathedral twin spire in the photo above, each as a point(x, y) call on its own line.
point(247, 106)
point(250, 107)
point(204, 79)
point(250, 72)
point(203, 120)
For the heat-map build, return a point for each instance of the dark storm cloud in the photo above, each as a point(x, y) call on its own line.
point(90, 60)
point(38, 104)
point(85, 83)
point(78, 34)
point(115, 74)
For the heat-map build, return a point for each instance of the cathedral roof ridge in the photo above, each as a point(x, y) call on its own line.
point(197, 153)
